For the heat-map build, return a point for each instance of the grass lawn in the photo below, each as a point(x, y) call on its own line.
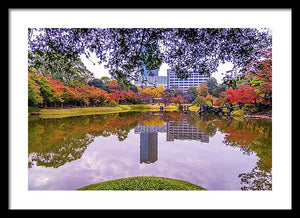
point(59, 113)
point(143, 183)
point(148, 107)
point(68, 112)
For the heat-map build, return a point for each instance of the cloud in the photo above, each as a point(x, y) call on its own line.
point(212, 165)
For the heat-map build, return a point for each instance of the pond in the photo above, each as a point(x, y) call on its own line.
point(212, 152)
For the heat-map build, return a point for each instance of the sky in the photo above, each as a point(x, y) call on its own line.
point(99, 70)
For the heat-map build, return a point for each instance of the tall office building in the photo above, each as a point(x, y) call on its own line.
point(194, 79)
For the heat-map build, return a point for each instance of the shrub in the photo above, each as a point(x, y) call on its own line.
point(110, 103)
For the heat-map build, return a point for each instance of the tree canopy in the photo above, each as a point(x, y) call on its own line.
point(126, 51)
point(69, 70)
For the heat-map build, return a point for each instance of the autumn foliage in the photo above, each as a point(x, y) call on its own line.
point(243, 94)
point(176, 100)
point(256, 89)
point(262, 79)
point(47, 92)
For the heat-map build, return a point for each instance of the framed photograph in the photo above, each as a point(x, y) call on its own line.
point(150, 109)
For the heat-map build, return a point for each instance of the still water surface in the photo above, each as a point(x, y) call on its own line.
point(217, 154)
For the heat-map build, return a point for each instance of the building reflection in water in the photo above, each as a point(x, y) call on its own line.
point(183, 131)
point(148, 147)
point(149, 142)
point(179, 130)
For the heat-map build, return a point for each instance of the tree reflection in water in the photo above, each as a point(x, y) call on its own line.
point(54, 142)
point(251, 136)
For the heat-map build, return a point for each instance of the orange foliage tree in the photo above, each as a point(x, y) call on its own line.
point(53, 92)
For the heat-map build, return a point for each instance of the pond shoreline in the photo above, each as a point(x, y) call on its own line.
point(255, 116)
point(48, 113)
point(258, 116)
point(83, 111)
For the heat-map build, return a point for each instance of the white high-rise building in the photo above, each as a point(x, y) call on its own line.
point(194, 79)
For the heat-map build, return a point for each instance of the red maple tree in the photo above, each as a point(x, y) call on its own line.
point(243, 94)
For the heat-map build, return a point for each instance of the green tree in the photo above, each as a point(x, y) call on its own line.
point(46, 91)
point(105, 80)
point(202, 89)
point(66, 68)
point(97, 83)
point(211, 84)
point(220, 88)
point(34, 94)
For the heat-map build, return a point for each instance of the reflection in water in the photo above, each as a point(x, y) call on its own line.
point(54, 142)
point(149, 141)
point(57, 145)
point(148, 147)
point(183, 131)
point(180, 130)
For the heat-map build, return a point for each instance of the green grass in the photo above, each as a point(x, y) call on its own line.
point(148, 107)
point(143, 183)
point(32, 109)
point(49, 113)
point(60, 113)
